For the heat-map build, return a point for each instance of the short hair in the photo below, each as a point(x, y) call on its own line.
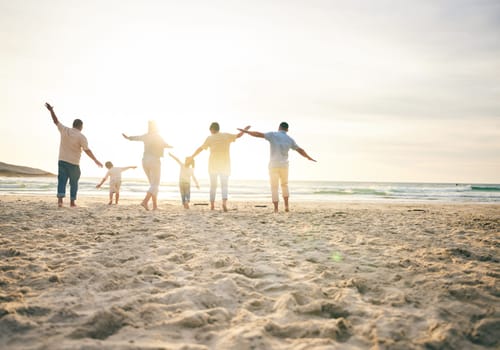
point(108, 165)
point(77, 123)
point(215, 126)
point(284, 125)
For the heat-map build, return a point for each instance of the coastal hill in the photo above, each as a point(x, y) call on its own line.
point(16, 170)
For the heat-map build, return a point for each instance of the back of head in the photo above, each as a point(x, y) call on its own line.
point(78, 124)
point(283, 126)
point(214, 127)
point(152, 127)
point(108, 165)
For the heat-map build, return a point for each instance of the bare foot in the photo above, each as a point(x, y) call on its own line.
point(73, 204)
point(59, 202)
point(110, 203)
point(224, 207)
point(144, 205)
point(287, 209)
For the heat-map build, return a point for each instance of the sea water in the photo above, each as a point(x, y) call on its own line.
point(258, 190)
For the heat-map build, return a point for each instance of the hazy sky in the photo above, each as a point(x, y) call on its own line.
point(374, 90)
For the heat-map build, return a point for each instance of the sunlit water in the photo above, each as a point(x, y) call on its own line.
point(258, 190)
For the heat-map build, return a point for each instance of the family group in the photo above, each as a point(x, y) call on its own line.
point(72, 142)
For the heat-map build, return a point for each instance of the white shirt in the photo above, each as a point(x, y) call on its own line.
point(71, 145)
point(185, 174)
point(154, 145)
point(115, 174)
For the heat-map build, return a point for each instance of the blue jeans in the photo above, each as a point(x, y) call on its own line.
point(185, 188)
point(224, 179)
point(71, 172)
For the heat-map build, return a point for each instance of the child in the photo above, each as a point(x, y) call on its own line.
point(115, 180)
point(185, 175)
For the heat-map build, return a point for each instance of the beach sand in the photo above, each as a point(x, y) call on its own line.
point(324, 276)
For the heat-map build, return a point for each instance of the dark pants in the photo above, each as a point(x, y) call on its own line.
point(71, 172)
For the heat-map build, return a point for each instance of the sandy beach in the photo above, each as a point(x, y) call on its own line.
point(324, 276)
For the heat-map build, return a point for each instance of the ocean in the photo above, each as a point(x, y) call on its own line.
point(258, 190)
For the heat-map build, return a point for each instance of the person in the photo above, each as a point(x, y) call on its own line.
point(219, 162)
point(280, 143)
point(72, 142)
point(115, 180)
point(154, 146)
point(185, 175)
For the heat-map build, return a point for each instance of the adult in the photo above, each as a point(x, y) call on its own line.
point(280, 143)
point(219, 161)
point(154, 146)
point(71, 144)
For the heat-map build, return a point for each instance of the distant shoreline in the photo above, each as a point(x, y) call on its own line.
point(12, 170)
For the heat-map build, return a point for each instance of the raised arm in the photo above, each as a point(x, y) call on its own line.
point(198, 151)
point(91, 155)
point(304, 154)
point(175, 158)
point(251, 133)
point(52, 114)
point(242, 131)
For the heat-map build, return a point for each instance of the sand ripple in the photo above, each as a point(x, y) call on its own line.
point(325, 276)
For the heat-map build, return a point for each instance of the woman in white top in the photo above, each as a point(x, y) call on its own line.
point(153, 151)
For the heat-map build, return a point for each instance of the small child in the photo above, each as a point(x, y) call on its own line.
point(115, 180)
point(185, 175)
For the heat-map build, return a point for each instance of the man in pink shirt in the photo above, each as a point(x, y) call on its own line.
point(70, 149)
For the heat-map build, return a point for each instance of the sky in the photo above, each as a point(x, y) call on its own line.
point(374, 90)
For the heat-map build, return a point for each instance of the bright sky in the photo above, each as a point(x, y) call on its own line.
point(374, 90)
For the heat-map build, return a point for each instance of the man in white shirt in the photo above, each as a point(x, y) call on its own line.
point(70, 149)
point(280, 144)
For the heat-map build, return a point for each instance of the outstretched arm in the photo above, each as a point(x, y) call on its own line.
point(198, 151)
point(304, 154)
point(91, 155)
point(242, 131)
point(252, 133)
point(195, 181)
point(175, 158)
point(130, 167)
point(102, 181)
point(52, 114)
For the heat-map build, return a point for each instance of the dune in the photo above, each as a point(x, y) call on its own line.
point(17, 170)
